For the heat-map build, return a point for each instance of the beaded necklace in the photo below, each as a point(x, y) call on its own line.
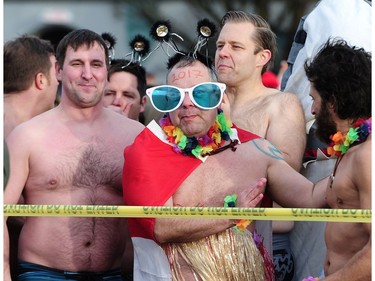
point(199, 146)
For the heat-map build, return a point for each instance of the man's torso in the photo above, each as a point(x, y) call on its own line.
point(345, 239)
point(75, 164)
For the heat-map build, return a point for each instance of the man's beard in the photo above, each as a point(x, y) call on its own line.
point(325, 125)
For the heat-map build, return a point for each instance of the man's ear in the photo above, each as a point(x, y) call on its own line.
point(40, 81)
point(58, 71)
point(332, 107)
point(143, 103)
point(263, 57)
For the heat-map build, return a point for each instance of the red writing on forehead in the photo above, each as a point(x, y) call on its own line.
point(194, 73)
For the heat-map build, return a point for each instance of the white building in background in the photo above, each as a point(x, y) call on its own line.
point(53, 19)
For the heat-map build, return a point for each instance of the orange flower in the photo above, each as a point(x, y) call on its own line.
point(331, 151)
point(242, 224)
point(338, 137)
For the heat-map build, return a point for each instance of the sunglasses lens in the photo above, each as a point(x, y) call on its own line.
point(207, 95)
point(165, 98)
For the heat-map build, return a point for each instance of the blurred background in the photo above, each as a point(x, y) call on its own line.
point(52, 19)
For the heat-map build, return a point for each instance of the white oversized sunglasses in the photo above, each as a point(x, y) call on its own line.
point(167, 98)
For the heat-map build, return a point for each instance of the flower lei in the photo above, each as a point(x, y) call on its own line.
point(342, 142)
point(230, 201)
point(197, 146)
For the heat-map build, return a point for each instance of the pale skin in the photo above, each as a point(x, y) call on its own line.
point(63, 157)
point(275, 116)
point(23, 105)
point(38, 98)
point(348, 255)
point(121, 95)
point(229, 173)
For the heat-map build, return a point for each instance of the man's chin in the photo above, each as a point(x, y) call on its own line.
point(224, 77)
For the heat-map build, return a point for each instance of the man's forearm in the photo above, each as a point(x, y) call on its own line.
point(187, 230)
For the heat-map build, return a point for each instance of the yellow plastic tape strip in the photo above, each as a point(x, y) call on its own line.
point(280, 214)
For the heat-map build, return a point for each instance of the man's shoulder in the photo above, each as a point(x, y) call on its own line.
point(285, 105)
point(282, 98)
point(124, 122)
point(35, 123)
point(363, 150)
point(271, 99)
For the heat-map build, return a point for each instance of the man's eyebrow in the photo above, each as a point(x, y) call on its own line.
point(97, 60)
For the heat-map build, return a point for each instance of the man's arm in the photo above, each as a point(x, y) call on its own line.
point(19, 144)
point(287, 129)
point(19, 169)
point(289, 188)
point(186, 230)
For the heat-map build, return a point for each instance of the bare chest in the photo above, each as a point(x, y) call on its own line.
point(223, 174)
point(341, 192)
point(80, 167)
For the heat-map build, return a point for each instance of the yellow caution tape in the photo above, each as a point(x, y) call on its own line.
point(279, 214)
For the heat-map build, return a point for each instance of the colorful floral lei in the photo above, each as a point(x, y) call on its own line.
point(342, 142)
point(230, 201)
point(215, 137)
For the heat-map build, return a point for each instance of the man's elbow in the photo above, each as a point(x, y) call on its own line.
point(161, 233)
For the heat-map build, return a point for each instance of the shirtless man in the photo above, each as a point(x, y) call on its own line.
point(245, 49)
point(200, 247)
point(30, 88)
point(72, 154)
point(340, 79)
point(30, 84)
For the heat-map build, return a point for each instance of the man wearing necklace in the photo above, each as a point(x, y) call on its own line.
point(199, 158)
point(340, 79)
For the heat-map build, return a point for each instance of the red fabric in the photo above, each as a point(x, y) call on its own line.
point(152, 173)
point(269, 268)
point(270, 80)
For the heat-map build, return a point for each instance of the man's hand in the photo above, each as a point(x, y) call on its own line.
point(253, 195)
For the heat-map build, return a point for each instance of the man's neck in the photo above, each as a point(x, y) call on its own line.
point(17, 109)
point(70, 111)
point(344, 125)
point(243, 93)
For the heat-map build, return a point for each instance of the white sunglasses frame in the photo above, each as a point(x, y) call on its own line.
point(182, 91)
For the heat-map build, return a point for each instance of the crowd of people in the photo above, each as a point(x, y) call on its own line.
point(225, 138)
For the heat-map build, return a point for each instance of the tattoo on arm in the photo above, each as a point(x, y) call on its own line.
point(268, 149)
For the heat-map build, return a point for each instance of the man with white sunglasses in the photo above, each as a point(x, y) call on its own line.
point(197, 157)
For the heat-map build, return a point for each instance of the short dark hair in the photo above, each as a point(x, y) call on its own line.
point(76, 39)
point(184, 59)
point(341, 74)
point(264, 37)
point(24, 57)
point(122, 65)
